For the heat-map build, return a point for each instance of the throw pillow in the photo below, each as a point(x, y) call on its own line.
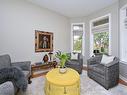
point(106, 59)
point(74, 56)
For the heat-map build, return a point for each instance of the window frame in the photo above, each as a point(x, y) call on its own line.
point(121, 34)
point(83, 37)
point(92, 35)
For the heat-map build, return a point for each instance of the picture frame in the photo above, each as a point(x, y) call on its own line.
point(43, 41)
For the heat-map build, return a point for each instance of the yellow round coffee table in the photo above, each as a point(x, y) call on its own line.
point(62, 84)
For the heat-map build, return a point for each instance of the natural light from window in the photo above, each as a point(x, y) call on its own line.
point(100, 35)
point(77, 37)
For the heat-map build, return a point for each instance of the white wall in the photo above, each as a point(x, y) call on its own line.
point(18, 21)
point(123, 66)
point(113, 9)
point(122, 3)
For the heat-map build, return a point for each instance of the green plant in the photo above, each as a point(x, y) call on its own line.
point(63, 58)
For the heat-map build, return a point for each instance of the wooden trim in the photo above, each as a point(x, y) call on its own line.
point(122, 82)
point(38, 75)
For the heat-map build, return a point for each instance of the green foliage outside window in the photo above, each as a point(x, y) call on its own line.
point(101, 42)
point(77, 47)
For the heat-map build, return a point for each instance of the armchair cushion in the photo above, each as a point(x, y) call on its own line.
point(99, 68)
point(5, 61)
point(73, 62)
point(7, 88)
point(74, 56)
point(23, 65)
point(115, 60)
point(106, 59)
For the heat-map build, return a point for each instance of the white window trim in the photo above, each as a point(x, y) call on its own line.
point(83, 37)
point(91, 34)
point(120, 45)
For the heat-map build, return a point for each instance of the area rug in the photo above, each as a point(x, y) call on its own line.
point(88, 87)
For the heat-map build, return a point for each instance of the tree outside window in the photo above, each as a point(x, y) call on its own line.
point(77, 43)
point(101, 42)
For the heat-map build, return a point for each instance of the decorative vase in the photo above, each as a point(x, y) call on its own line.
point(62, 70)
point(45, 58)
point(50, 56)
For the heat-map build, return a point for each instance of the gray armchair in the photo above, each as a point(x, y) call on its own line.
point(106, 75)
point(26, 68)
point(75, 64)
point(5, 63)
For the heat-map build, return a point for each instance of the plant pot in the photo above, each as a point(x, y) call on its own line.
point(62, 70)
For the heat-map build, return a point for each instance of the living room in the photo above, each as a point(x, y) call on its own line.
point(20, 20)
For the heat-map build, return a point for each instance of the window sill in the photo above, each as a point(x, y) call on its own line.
point(123, 62)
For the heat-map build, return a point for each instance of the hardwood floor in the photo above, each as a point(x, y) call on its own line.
point(122, 82)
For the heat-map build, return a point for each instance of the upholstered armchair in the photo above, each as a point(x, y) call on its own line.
point(15, 77)
point(106, 75)
point(75, 64)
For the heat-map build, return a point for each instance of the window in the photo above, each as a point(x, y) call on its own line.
point(77, 43)
point(77, 37)
point(100, 35)
point(101, 42)
point(123, 34)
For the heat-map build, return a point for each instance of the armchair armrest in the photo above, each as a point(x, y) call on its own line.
point(26, 65)
point(80, 59)
point(91, 61)
point(112, 73)
point(80, 62)
point(94, 60)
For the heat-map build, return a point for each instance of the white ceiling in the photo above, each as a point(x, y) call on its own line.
point(74, 8)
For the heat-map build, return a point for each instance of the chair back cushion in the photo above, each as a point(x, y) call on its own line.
point(107, 59)
point(74, 56)
point(5, 61)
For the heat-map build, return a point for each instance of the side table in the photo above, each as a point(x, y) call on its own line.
point(43, 66)
point(62, 84)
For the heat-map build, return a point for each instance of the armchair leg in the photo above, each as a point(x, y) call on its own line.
point(29, 80)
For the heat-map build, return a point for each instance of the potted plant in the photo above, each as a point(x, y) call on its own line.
point(63, 57)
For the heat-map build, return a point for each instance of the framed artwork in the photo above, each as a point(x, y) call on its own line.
point(43, 41)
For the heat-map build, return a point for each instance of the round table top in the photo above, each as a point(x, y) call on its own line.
point(66, 79)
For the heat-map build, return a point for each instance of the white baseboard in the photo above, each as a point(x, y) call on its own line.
point(123, 78)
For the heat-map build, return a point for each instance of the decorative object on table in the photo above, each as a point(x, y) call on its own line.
point(96, 52)
point(50, 56)
point(45, 58)
point(43, 41)
point(63, 58)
